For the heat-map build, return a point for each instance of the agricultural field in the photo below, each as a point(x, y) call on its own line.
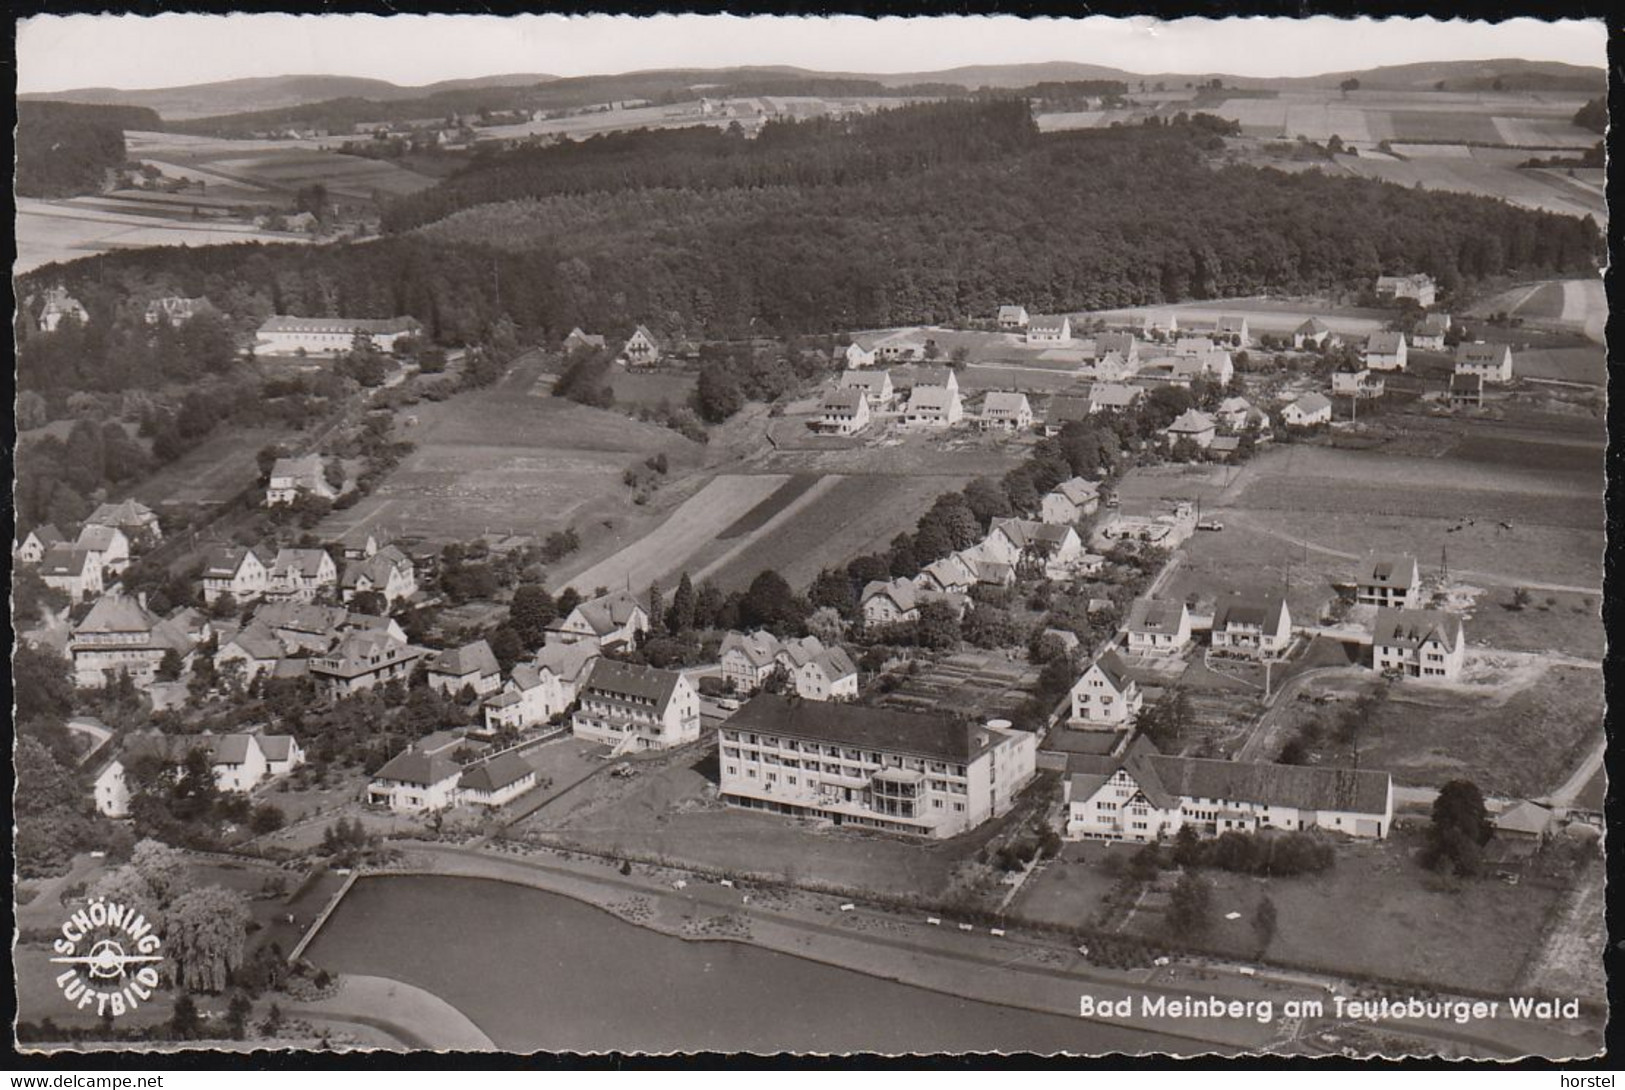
point(503, 459)
point(270, 168)
point(1569, 306)
point(221, 467)
point(1427, 734)
point(985, 684)
point(1486, 172)
point(63, 230)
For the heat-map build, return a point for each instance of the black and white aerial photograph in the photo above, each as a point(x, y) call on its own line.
point(769, 535)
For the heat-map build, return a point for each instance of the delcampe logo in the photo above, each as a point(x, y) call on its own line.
point(111, 952)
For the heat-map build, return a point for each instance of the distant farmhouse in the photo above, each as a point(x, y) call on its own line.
point(1385, 351)
point(1420, 643)
point(1419, 287)
point(1050, 330)
point(1013, 318)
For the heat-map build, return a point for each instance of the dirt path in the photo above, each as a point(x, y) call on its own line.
point(1565, 795)
point(1571, 957)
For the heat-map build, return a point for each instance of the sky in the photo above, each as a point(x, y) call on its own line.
point(56, 53)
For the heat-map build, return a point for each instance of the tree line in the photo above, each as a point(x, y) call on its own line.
point(64, 149)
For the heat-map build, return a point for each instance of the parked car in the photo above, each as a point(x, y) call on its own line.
point(1210, 524)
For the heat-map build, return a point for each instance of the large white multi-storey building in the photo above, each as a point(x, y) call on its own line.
point(926, 775)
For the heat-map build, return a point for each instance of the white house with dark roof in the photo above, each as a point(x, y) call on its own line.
point(748, 658)
point(239, 762)
point(1125, 345)
point(934, 406)
point(1421, 643)
point(537, 691)
point(1105, 697)
point(242, 571)
point(1049, 329)
point(362, 661)
point(951, 574)
point(855, 355)
point(609, 621)
point(843, 412)
point(57, 306)
point(1143, 796)
point(1193, 346)
point(901, 772)
point(74, 571)
point(1070, 501)
point(471, 666)
point(1260, 628)
point(1195, 425)
point(1313, 331)
point(875, 386)
point(301, 575)
point(1308, 411)
point(387, 571)
point(1354, 379)
point(829, 674)
point(1389, 580)
point(108, 545)
point(889, 602)
point(497, 781)
point(131, 516)
point(293, 335)
point(1385, 351)
point(1055, 549)
point(121, 635)
point(637, 707)
point(576, 340)
point(1013, 318)
point(1232, 330)
point(295, 477)
point(415, 782)
point(1156, 627)
point(1003, 411)
point(1491, 362)
point(1064, 409)
point(642, 348)
point(1431, 331)
point(256, 647)
point(35, 543)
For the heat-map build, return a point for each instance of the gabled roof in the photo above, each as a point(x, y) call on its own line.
point(1012, 312)
point(567, 662)
point(62, 559)
point(471, 658)
point(623, 679)
point(98, 538)
point(1410, 628)
point(931, 397)
point(1115, 395)
point(760, 648)
point(865, 380)
point(1314, 327)
point(1126, 343)
point(951, 570)
point(124, 513)
point(1396, 570)
point(1526, 817)
point(1078, 490)
point(305, 468)
point(1111, 666)
point(1301, 786)
point(1004, 402)
point(1465, 382)
point(47, 535)
point(257, 641)
point(307, 562)
point(1385, 343)
point(844, 400)
point(835, 663)
point(1049, 323)
point(932, 736)
point(1024, 532)
point(414, 767)
point(648, 336)
point(493, 775)
point(288, 323)
point(1153, 615)
point(1064, 408)
point(1232, 405)
point(225, 561)
point(1481, 353)
point(1311, 403)
point(277, 747)
point(1192, 422)
point(117, 613)
point(802, 651)
point(899, 590)
point(1231, 324)
point(1268, 614)
point(610, 612)
point(1434, 325)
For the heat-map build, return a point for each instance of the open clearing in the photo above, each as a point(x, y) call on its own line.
point(1572, 306)
point(1483, 174)
point(218, 469)
point(48, 231)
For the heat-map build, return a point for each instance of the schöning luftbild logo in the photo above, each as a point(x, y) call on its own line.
point(112, 953)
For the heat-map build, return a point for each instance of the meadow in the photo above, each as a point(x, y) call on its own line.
point(53, 231)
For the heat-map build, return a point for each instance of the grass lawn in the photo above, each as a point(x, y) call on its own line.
point(217, 470)
point(649, 389)
point(1070, 891)
point(1565, 623)
point(1377, 911)
point(1588, 365)
point(1429, 734)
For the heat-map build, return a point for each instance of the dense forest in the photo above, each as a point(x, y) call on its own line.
point(1593, 115)
point(930, 213)
point(64, 149)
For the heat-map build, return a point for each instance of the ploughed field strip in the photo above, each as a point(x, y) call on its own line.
point(758, 516)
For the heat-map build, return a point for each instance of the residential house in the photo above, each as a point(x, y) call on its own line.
point(1313, 332)
point(471, 666)
point(830, 674)
point(1466, 391)
point(256, 647)
point(844, 412)
point(295, 477)
point(1389, 580)
point(1166, 324)
point(934, 406)
point(952, 574)
point(308, 627)
point(1143, 796)
point(175, 309)
point(242, 571)
point(58, 306)
point(901, 772)
point(1224, 447)
point(292, 335)
point(1125, 345)
point(889, 603)
point(904, 344)
point(72, 570)
point(1423, 643)
point(1217, 366)
point(107, 545)
point(121, 635)
point(854, 356)
point(137, 520)
point(535, 693)
point(1012, 318)
point(1113, 367)
point(1233, 413)
point(1070, 501)
point(1197, 426)
point(415, 782)
point(642, 349)
point(1193, 346)
point(1054, 549)
point(1308, 411)
point(1232, 330)
point(300, 575)
point(1491, 362)
point(1113, 397)
point(362, 661)
point(1050, 329)
point(1431, 331)
point(37, 542)
point(1063, 409)
point(748, 659)
point(1156, 627)
point(578, 341)
point(1418, 286)
point(1524, 822)
point(1105, 697)
point(1259, 628)
point(387, 571)
point(637, 707)
point(1354, 379)
point(875, 386)
point(497, 781)
point(239, 762)
point(1385, 351)
point(612, 620)
point(1006, 412)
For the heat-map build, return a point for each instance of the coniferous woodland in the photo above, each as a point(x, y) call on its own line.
point(928, 213)
point(64, 149)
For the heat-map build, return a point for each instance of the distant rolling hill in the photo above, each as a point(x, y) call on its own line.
point(269, 93)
